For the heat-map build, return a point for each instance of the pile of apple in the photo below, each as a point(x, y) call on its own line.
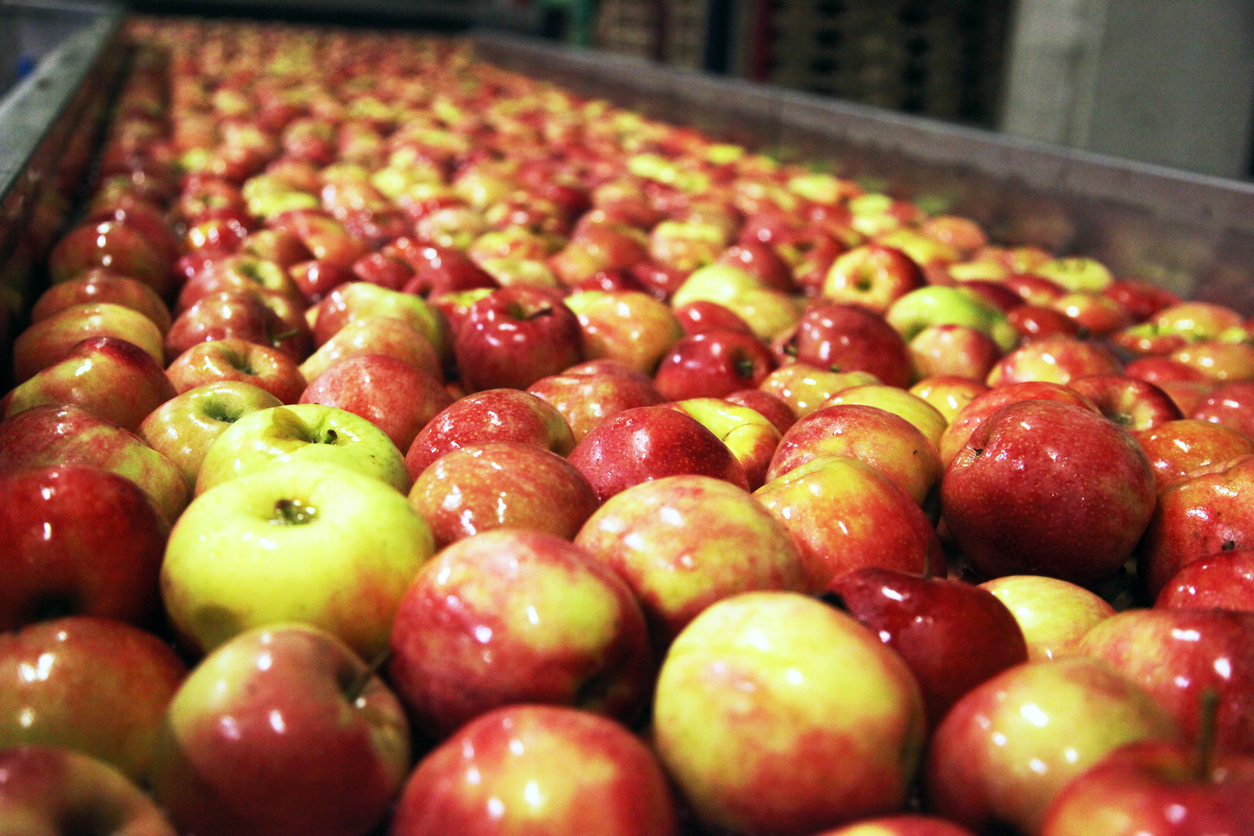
point(402, 445)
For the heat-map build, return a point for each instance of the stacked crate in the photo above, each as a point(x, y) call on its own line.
point(939, 58)
point(672, 31)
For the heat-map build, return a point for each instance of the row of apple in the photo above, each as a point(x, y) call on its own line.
point(387, 406)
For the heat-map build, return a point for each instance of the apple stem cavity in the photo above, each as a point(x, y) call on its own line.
point(1204, 750)
point(293, 512)
point(357, 686)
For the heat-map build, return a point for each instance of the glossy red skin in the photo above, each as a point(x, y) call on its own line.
point(759, 260)
point(277, 245)
point(513, 337)
point(1178, 448)
point(1062, 358)
point(873, 275)
point(1229, 404)
point(395, 396)
point(771, 407)
point(386, 271)
point(587, 399)
point(232, 358)
point(242, 315)
point(984, 405)
point(713, 364)
point(101, 285)
point(1195, 518)
point(1157, 369)
point(144, 217)
point(849, 338)
point(1140, 299)
point(318, 278)
point(1176, 655)
point(997, 293)
point(231, 769)
point(952, 635)
point(659, 280)
point(480, 487)
point(704, 315)
point(1037, 322)
point(110, 244)
point(1224, 581)
point(491, 415)
point(48, 341)
point(621, 791)
point(326, 238)
point(873, 435)
point(104, 688)
point(858, 519)
point(649, 442)
point(1188, 394)
point(54, 785)
point(1045, 487)
point(903, 824)
point(457, 613)
point(77, 539)
point(220, 231)
point(116, 379)
point(1154, 788)
point(1133, 404)
point(953, 350)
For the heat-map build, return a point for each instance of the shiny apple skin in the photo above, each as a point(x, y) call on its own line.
point(1176, 655)
point(261, 739)
point(1231, 405)
point(93, 684)
point(983, 405)
point(713, 364)
point(1009, 746)
point(651, 442)
point(1224, 580)
point(1044, 487)
point(513, 337)
point(851, 338)
point(518, 616)
point(501, 484)
point(586, 396)
point(509, 771)
point(953, 635)
point(1179, 448)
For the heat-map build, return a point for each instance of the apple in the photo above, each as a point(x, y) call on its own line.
point(1077, 274)
point(871, 275)
point(901, 824)
point(96, 685)
point(326, 237)
point(1198, 516)
point(941, 305)
point(379, 335)
point(953, 350)
point(358, 300)
point(846, 338)
point(756, 679)
point(1059, 359)
point(712, 364)
point(237, 272)
point(1038, 322)
point(1010, 745)
point(397, 397)
point(114, 378)
point(751, 438)
point(64, 435)
point(1097, 315)
point(1053, 614)
point(953, 635)
point(437, 270)
point(768, 312)
point(306, 432)
point(1141, 299)
point(771, 407)
point(1224, 581)
point(684, 542)
point(282, 729)
point(702, 315)
point(804, 387)
point(844, 515)
point(511, 768)
point(101, 285)
point(245, 315)
point(287, 544)
point(1136, 405)
point(649, 442)
point(518, 616)
point(887, 442)
point(182, 428)
point(48, 341)
point(316, 278)
point(1156, 787)
point(629, 326)
point(925, 417)
point(514, 336)
point(985, 404)
point(948, 395)
point(48, 789)
point(501, 484)
point(490, 415)
point(1229, 405)
point(234, 359)
point(587, 394)
point(1177, 655)
point(1045, 487)
point(1181, 447)
point(118, 246)
point(761, 260)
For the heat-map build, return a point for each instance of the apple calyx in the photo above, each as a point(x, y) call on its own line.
point(293, 512)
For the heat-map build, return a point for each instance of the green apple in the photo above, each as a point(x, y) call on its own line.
point(302, 541)
point(776, 713)
point(302, 433)
point(944, 305)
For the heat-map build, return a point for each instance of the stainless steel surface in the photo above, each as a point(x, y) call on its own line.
point(1191, 233)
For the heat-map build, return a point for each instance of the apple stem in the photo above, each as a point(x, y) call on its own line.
point(358, 685)
point(1204, 750)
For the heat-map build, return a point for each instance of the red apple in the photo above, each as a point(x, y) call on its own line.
point(514, 336)
point(48, 341)
point(953, 350)
point(241, 315)
point(101, 285)
point(1179, 448)
point(713, 364)
point(239, 360)
point(846, 338)
point(1136, 405)
point(1058, 359)
point(953, 635)
point(769, 406)
point(871, 275)
point(704, 315)
point(518, 616)
point(1230, 405)
point(282, 729)
point(650, 442)
point(511, 768)
point(586, 394)
point(96, 685)
point(982, 406)
point(120, 247)
point(1224, 581)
